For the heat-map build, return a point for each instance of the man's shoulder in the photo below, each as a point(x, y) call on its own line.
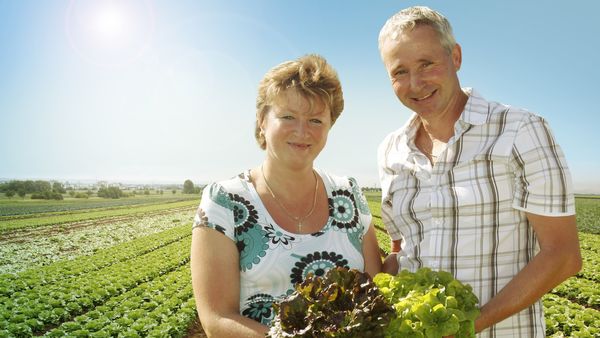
point(495, 112)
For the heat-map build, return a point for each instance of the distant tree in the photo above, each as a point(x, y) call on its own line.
point(72, 193)
point(110, 192)
point(22, 193)
point(146, 192)
point(188, 187)
point(174, 191)
point(58, 187)
point(10, 193)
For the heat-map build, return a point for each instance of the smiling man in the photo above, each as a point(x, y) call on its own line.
point(473, 187)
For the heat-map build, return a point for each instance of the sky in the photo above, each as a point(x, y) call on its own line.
point(162, 91)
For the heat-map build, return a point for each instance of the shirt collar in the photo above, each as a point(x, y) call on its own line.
point(476, 112)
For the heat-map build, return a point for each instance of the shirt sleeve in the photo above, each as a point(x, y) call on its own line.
point(362, 205)
point(215, 211)
point(386, 177)
point(542, 178)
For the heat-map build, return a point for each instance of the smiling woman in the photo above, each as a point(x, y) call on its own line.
point(109, 33)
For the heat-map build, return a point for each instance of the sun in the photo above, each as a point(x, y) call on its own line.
point(109, 32)
point(110, 22)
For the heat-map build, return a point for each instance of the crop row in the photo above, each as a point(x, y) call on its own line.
point(44, 248)
point(591, 261)
point(52, 303)
point(12, 224)
point(588, 210)
point(589, 241)
point(28, 208)
point(583, 291)
point(11, 283)
point(139, 311)
point(567, 319)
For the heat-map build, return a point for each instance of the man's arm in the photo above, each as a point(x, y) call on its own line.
point(558, 259)
point(390, 264)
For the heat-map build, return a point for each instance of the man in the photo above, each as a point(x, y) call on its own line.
point(470, 186)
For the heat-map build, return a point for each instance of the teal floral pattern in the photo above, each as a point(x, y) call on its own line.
point(260, 308)
point(278, 237)
point(317, 263)
point(252, 246)
point(361, 201)
point(342, 209)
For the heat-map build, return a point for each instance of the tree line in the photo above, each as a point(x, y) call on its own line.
point(40, 189)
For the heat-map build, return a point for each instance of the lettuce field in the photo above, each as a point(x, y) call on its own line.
point(107, 268)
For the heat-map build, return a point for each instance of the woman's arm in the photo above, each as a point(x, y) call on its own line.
point(371, 252)
point(216, 282)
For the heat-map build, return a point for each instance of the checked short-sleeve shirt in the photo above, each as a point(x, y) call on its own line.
point(466, 213)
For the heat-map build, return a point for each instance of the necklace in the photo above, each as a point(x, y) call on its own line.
point(285, 210)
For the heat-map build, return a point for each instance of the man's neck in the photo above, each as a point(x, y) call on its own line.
point(441, 127)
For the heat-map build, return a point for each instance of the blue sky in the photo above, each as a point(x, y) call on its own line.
point(162, 91)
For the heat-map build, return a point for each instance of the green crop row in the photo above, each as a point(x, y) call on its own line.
point(23, 251)
point(51, 304)
point(32, 208)
point(76, 216)
point(11, 283)
point(588, 211)
point(139, 311)
point(590, 241)
point(567, 319)
point(591, 261)
point(584, 291)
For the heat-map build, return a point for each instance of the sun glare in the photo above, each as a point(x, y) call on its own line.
point(109, 33)
point(109, 22)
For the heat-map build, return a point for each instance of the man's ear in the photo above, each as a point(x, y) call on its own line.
point(457, 56)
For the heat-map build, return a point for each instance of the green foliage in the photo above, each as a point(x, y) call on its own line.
point(343, 303)
point(429, 304)
point(47, 195)
point(27, 186)
point(110, 192)
point(588, 214)
point(188, 187)
point(80, 215)
point(58, 188)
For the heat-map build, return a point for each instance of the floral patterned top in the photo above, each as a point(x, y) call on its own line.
point(272, 259)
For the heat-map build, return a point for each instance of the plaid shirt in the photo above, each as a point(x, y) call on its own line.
point(466, 213)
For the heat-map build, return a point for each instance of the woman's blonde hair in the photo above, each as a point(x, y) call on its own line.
point(311, 76)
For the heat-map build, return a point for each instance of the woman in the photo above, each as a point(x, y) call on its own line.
point(258, 234)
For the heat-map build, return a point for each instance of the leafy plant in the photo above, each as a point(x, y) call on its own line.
point(428, 304)
point(343, 303)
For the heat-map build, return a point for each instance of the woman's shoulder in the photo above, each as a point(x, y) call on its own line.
point(336, 182)
point(236, 185)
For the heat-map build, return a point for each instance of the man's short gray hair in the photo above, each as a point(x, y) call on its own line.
point(409, 18)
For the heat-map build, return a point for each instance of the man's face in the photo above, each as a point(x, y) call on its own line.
point(422, 71)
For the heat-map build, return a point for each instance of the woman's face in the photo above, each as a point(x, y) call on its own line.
point(295, 129)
